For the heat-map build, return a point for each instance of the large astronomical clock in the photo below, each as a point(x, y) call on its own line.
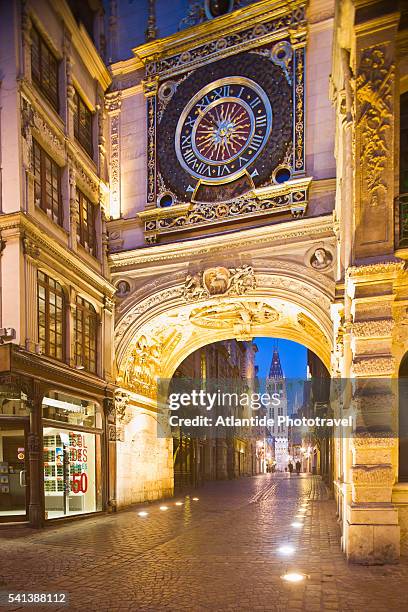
point(224, 129)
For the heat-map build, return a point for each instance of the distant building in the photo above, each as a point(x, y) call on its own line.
point(278, 434)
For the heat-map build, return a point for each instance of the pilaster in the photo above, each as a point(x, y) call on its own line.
point(374, 102)
point(31, 253)
point(372, 533)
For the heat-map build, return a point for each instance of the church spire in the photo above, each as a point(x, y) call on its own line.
point(275, 371)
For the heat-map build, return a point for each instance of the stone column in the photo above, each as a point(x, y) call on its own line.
point(371, 531)
point(31, 254)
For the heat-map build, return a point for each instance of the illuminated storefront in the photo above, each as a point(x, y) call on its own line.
point(72, 443)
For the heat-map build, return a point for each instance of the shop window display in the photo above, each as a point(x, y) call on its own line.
point(72, 456)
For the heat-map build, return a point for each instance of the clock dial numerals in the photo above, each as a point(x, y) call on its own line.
point(222, 129)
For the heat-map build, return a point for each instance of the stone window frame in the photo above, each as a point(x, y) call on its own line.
point(45, 56)
point(86, 226)
point(45, 171)
point(83, 132)
point(51, 287)
point(86, 323)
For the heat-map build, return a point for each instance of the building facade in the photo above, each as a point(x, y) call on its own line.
point(228, 365)
point(245, 165)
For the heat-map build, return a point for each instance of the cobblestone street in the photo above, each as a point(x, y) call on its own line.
point(218, 552)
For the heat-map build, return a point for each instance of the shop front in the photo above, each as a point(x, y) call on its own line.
point(14, 472)
point(55, 458)
point(72, 455)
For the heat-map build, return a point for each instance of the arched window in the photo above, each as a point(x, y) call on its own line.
point(86, 332)
point(403, 420)
point(51, 316)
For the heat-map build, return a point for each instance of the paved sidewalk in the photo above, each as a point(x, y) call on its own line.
point(218, 553)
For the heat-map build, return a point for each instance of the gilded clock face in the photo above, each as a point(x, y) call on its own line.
point(222, 129)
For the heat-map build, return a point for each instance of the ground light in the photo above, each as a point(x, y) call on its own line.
point(286, 549)
point(293, 577)
point(164, 507)
point(302, 510)
point(142, 513)
point(196, 498)
point(179, 503)
point(297, 524)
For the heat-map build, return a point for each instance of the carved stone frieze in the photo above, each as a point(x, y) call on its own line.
point(219, 281)
point(84, 178)
point(237, 316)
point(230, 42)
point(384, 268)
point(372, 366)
point(382, 474)
point(372, 329)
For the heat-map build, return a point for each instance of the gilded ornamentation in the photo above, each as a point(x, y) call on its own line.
point(374, 86)
point(143, 367)
point(219, 281)
point(231, 43)
point(114, 165)
point(151, 149)
point(299, 103)
point(290, 198)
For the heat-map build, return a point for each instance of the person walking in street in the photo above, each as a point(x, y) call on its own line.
point(298, 465)
point(290, 467)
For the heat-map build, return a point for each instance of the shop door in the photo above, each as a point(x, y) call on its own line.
point(13, 471)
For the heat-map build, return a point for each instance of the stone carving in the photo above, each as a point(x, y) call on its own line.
point(236, 41)
point(388, 268)
point(151, 149)
point(219, 281)
point(234, 315)
point(116, 434)
point(143, 367)
point(321, 259)
point(84, 178)
point(121, 407)
point(299, 103)
point(31, 248)
point(27, 122)
point(373, 329)
point(48, 134)
point(371, 366)
point(374, 86)
point(122, 289)
point(312, 329)
point(372, 474)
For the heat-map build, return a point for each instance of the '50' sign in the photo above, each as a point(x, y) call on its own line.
point(79, 483)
